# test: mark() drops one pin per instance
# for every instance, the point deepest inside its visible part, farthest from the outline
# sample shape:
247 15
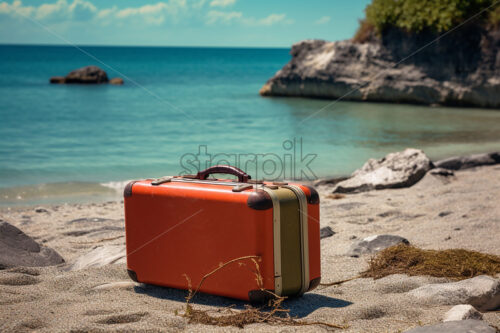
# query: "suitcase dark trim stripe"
313 198
260 200
127 192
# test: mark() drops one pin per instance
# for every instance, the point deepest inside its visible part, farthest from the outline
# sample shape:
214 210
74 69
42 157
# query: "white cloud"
82 10
215 16
158 8
150 14
105 14
322 20
52 11
16 8
222 3
268 20
155 14
79 10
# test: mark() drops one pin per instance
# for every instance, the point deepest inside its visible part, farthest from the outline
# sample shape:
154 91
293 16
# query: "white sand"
53 299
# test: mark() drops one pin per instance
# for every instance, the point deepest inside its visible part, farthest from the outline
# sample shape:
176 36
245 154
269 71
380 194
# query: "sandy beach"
460 211
197 119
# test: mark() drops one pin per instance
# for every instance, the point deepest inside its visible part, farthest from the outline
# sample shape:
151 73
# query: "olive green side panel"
291 265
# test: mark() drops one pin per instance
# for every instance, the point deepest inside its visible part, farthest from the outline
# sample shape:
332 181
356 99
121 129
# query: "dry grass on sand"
456 264
272 313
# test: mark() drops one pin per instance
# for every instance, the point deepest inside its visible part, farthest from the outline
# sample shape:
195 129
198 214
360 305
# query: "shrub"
494 17
365 32
419 15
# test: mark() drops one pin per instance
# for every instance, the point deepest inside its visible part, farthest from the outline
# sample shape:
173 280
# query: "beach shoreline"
112 190
438 212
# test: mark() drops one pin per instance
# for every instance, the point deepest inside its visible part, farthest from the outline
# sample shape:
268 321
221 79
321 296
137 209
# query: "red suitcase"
185 227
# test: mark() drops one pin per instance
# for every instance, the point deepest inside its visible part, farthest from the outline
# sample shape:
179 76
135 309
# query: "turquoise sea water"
75 142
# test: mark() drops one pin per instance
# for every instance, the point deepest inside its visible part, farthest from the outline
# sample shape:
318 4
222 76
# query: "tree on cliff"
415 16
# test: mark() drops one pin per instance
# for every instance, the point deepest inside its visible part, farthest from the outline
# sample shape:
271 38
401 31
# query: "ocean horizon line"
150 46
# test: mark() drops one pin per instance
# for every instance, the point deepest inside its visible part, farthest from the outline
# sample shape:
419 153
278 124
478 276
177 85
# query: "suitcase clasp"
162 180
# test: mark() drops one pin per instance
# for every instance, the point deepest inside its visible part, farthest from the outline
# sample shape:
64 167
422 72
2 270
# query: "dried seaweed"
455 264
272 313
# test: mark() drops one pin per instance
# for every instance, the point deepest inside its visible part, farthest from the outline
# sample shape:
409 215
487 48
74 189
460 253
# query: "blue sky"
178 22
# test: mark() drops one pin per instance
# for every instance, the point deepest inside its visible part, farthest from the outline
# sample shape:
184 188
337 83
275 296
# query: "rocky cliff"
462 68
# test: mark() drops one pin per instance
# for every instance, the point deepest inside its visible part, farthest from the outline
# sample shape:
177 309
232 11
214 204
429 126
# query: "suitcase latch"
162 180
241 188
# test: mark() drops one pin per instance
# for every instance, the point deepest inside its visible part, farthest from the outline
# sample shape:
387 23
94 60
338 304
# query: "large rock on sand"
460 326
101 256
471 161
326 232
86 75
396 170
482 292
462 312
374 244
18 249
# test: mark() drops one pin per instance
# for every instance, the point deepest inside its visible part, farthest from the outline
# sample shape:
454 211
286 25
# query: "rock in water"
101 256
462 312
460 326
482 292
18 249
86 75
57 79
471 161
396 170
374 244
116 80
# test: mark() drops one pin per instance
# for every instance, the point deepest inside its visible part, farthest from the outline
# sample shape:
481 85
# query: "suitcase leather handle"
243 177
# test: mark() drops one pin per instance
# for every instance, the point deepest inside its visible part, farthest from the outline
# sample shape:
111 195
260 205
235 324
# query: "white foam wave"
118 186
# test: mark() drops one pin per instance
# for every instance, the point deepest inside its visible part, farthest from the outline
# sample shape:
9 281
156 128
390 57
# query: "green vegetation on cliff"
418 15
